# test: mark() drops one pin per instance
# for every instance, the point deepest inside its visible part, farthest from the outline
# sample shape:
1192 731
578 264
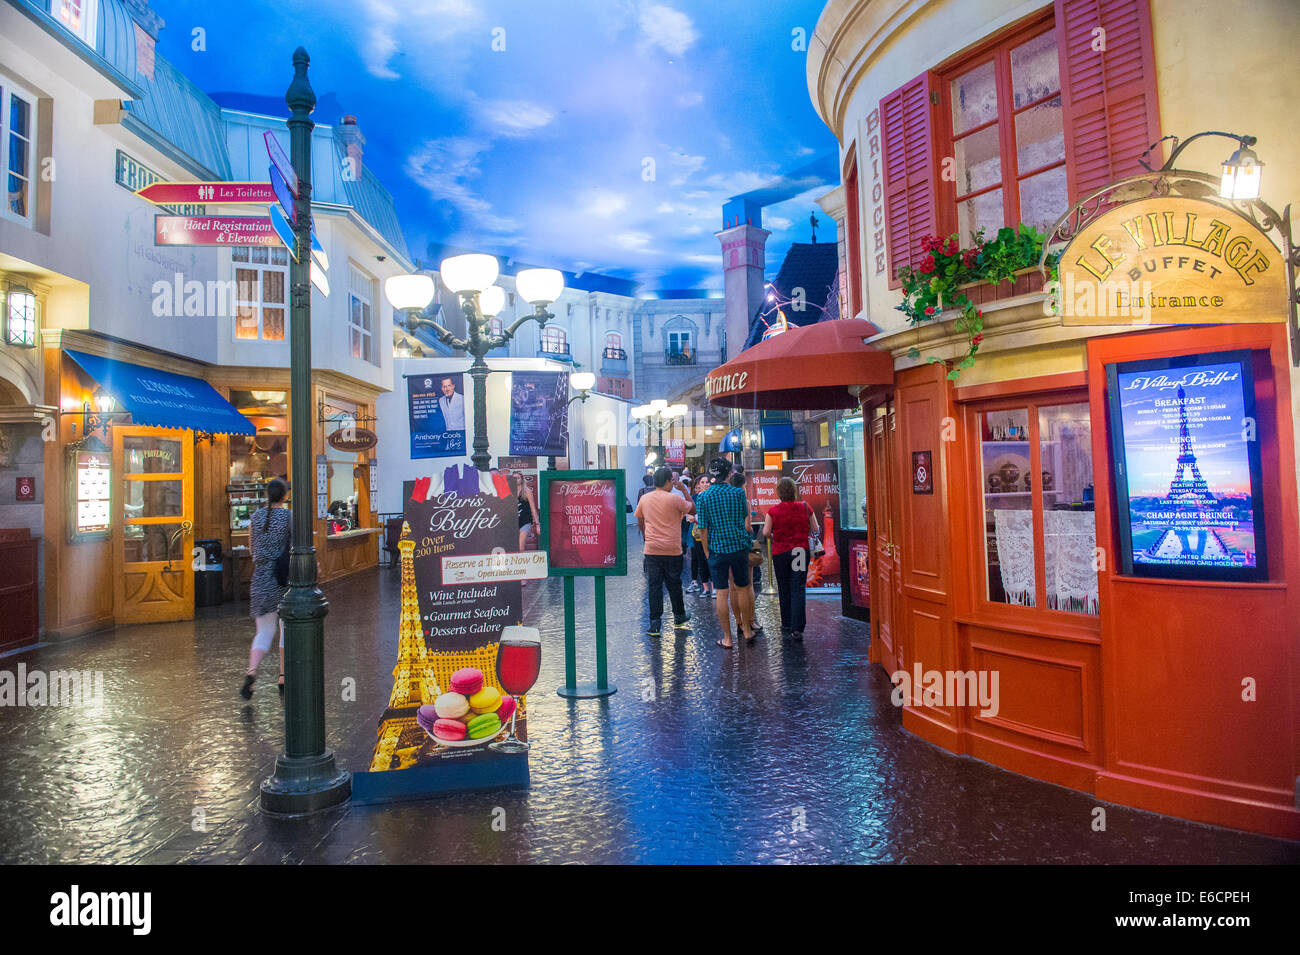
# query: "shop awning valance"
163 399
812 368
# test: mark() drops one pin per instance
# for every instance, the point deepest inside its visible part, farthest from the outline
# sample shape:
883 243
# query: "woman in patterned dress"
268 535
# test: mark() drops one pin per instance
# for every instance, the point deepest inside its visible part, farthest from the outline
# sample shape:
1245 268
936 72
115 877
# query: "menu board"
855 570
760 488
584 525
1187 467
91 490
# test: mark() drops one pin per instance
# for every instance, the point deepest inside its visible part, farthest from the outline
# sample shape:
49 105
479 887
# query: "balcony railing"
616 353
558 351
674 356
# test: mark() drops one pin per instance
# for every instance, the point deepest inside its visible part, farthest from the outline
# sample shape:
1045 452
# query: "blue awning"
163 399
730 441
775 437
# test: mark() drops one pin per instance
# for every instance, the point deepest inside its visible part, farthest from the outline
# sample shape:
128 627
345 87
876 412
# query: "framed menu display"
1186 460
584 525
855 573
89 494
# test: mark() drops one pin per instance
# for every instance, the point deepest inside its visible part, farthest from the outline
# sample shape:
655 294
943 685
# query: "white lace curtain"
1069 541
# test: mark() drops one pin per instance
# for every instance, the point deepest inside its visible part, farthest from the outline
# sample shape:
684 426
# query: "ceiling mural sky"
598 135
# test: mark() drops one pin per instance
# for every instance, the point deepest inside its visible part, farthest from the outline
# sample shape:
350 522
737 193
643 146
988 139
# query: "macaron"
467 681
485 700
506 709
449 729
484 725
451 706
426 716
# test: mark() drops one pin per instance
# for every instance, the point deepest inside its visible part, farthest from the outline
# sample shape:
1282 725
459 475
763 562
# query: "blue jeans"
791 589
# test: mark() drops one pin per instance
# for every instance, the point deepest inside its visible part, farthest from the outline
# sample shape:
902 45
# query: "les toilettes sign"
1171 261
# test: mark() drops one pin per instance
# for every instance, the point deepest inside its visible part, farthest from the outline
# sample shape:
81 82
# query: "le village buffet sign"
1171 261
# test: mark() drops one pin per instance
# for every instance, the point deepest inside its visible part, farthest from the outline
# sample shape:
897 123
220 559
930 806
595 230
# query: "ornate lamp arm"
540 315
447 338
1244 141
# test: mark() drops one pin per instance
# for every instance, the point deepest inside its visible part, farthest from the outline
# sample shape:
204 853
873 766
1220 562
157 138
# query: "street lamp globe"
676 411
492 300
582 381
408 293
469 274
540 286
658 406
642 411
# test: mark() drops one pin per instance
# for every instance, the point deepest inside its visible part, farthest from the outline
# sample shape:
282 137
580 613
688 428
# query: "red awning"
812 368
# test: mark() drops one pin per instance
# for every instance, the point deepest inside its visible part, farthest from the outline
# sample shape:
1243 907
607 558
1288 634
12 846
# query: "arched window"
555 341
614 345
679 341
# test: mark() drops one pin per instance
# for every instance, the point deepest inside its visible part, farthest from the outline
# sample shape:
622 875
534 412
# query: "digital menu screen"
1187 467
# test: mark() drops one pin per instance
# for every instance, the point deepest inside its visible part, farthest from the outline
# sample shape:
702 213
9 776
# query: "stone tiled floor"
731 751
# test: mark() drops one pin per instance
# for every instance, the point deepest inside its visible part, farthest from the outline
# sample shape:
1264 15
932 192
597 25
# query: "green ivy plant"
933 284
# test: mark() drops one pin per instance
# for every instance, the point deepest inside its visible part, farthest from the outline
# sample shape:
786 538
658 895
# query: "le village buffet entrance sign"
1171 261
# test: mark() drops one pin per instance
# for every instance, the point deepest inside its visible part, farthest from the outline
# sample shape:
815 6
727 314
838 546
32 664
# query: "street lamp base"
586 691
303 785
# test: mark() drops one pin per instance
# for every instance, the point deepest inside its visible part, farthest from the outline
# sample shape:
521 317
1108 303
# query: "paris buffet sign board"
1171 261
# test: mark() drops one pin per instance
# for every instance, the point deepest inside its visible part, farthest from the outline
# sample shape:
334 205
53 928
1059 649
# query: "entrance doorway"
882 519
153 525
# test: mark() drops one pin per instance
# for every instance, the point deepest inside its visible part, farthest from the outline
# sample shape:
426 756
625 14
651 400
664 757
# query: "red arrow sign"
214 230
180 193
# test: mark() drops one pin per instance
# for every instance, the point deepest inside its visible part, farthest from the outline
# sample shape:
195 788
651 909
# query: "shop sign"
352 440
25 489
675 451
922 472
715 384
133 175
760 487
583 529
1171 261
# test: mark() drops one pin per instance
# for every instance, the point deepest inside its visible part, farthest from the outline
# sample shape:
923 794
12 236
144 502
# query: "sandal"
281 685
246 691
725 646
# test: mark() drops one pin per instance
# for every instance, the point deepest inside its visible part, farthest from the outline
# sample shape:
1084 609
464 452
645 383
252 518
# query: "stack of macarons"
469 711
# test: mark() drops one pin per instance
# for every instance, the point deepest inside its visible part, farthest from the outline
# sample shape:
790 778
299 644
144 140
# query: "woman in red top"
788 524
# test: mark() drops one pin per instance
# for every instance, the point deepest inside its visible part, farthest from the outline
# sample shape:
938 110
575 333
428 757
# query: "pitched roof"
809 266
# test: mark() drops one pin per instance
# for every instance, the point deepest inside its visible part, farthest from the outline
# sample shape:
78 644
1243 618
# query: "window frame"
87 31
978 400
8 89
614 340
554 335
260 305
367 332
996 50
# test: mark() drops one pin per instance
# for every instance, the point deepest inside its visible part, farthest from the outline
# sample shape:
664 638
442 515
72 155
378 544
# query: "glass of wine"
519 661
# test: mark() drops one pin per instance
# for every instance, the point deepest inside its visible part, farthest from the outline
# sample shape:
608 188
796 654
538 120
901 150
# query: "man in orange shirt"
659 516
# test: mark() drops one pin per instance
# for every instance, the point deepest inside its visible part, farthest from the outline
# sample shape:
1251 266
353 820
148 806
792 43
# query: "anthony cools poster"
445 626
819 485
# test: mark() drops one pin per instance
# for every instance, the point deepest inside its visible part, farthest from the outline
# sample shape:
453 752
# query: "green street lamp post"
306 778
471 278
658 414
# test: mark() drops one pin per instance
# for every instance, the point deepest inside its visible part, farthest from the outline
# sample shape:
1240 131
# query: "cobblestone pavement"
732 754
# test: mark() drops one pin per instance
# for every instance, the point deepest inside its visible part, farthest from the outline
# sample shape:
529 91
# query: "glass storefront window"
1069 524
853 473
346 471
258 458
1008 506
145 454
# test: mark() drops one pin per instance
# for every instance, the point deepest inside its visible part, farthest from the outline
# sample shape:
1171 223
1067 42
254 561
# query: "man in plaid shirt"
723 513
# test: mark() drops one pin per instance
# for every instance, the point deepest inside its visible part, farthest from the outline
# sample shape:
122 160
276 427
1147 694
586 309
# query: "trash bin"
208 578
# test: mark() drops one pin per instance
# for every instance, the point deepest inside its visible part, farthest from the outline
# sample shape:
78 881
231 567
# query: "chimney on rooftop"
353 142
147 24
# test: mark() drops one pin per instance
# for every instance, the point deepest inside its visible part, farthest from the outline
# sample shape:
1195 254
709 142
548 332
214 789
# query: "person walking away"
659 516
737 479
701 583
648 483
789 524
269 532
723 518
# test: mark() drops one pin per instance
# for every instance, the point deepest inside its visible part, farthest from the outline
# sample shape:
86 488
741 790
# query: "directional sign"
282 163
318 252
177 193
283 195
285 231
214 230
319 280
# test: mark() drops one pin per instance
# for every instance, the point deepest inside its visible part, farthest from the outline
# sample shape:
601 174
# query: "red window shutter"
852 226
1109 95
910 170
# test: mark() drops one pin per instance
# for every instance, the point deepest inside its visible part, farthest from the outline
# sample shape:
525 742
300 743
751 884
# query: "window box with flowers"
949 278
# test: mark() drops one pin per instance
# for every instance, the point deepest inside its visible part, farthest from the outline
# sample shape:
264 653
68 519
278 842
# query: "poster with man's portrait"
437 406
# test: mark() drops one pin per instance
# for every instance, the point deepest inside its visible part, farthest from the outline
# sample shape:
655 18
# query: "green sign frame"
619 477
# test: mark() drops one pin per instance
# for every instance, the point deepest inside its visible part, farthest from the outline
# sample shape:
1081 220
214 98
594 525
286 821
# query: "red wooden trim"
853 227
1069 380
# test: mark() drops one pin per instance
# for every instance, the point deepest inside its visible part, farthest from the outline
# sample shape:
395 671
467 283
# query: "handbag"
815 540
756 554
282 558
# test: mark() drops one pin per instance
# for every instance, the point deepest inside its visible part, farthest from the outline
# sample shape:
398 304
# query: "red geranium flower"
951 248
929 310
976 340
927 264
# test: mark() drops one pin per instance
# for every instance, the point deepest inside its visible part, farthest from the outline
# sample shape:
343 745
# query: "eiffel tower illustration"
400 736
1190 496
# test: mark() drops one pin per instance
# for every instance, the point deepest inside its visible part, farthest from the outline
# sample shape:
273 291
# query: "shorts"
737 563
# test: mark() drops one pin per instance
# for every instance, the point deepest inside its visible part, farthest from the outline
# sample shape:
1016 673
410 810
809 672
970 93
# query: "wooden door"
153 525
882 523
